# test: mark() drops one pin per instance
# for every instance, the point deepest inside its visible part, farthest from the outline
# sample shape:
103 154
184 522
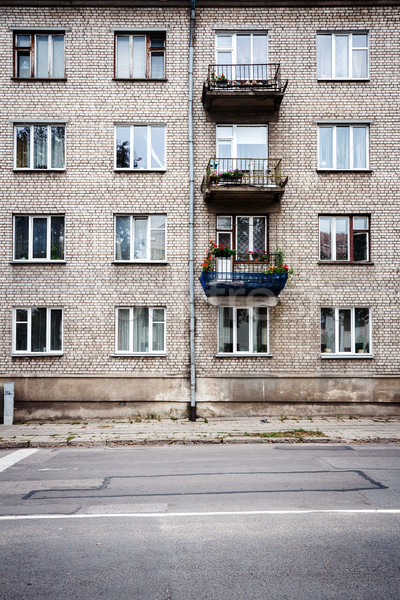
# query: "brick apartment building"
293 114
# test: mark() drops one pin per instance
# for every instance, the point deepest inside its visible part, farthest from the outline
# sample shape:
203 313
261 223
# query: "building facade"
296 129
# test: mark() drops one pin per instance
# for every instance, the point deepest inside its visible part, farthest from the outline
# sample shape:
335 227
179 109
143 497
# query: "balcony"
231 182
246 91
244 282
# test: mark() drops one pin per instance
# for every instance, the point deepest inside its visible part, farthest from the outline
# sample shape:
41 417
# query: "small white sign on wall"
8 403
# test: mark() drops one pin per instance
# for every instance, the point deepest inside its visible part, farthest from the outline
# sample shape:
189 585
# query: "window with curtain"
344 238
39 147
140 330
243 330
39 237
37 330
242 55
247 234
140 147
39 55
140 55
140 237
343 55
343 147
346 331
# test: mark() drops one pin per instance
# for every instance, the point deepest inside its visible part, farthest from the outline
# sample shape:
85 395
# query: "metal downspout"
191 222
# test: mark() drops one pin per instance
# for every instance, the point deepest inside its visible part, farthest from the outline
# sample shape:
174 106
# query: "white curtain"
123 329
139 57
58 147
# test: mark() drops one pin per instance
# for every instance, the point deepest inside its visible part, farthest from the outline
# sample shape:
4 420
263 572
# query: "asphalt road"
207 522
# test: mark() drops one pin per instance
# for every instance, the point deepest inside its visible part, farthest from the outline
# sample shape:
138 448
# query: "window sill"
139 170
344 170
38 262
137 354
343 79
16 170
361 356
144 79
140 262
358 263
243 355
36 354
40 79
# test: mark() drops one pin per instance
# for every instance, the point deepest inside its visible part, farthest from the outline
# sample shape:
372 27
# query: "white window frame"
132 239
251 337
352 353
131 142
33 53
233 47
30 239
150 341
28 351
233 138
351 126
333 36
31 146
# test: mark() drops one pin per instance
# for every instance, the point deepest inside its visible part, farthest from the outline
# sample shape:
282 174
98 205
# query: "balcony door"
247 52
243 147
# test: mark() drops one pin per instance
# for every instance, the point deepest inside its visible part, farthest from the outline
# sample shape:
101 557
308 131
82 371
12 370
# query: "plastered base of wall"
109 397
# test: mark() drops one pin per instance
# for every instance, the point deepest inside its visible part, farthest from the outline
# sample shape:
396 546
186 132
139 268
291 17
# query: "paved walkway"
102 432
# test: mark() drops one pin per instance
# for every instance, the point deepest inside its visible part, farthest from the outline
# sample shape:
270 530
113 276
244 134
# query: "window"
37 330
39 56
344 238
140 330
140 55
248 52
243 330
343 146
140 147
38 238
345 331
139 238
242 141
342 55
247 233
39 147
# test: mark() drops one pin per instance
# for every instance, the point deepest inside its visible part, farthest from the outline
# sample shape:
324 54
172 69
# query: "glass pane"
260 49
345 330
360 63
158 329
22 315
42 56
341 55
327 330
360 40
360 147
225 329
260 329
140 330
158 315
224 238
259 234
23 64
123 330
324 56
122 238
360 223
342 238
56 330
224 41
38 330
242 234
242 330
123 147
57 238
21 233
157 65
140 239
21 342
39 235
23 147
342 147
362 330
57 147
157 238
140 147
325 238
360 246
40 147
23 41
58 56
325 147
224 60
243 55
252 142
157 41
122 55
224 222
139 56
157 147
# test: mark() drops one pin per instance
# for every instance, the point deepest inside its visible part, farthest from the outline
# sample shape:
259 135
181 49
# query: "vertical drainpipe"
191 222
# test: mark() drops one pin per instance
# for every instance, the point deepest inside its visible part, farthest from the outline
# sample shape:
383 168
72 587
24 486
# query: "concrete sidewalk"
150 431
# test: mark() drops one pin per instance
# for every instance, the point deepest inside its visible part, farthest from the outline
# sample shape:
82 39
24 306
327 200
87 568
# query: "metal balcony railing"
247 76
257 172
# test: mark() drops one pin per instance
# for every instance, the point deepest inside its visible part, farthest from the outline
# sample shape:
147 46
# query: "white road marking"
372 511
11 459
